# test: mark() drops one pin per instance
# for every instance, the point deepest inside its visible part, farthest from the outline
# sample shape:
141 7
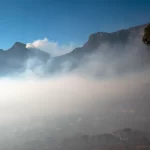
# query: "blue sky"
67 20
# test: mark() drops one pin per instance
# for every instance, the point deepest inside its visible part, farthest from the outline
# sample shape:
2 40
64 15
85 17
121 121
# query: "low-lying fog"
80 101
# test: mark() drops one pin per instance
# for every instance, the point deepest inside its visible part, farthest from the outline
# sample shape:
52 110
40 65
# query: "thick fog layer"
107 91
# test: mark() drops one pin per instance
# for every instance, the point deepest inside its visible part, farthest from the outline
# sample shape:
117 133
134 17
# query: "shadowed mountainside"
116 43
15 58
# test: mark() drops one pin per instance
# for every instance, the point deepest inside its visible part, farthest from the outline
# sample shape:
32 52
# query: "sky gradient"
67 21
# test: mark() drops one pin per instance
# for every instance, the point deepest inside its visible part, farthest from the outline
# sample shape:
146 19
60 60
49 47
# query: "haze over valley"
74 75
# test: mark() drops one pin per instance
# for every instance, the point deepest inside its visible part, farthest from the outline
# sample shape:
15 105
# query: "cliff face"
119 39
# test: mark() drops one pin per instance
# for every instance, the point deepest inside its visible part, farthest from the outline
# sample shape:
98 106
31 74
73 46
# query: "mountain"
15 59
115 42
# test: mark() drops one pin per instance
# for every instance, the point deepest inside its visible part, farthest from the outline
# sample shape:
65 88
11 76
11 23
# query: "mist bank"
90 90
98 104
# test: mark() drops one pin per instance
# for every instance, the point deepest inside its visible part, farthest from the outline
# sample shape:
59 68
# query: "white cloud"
52 47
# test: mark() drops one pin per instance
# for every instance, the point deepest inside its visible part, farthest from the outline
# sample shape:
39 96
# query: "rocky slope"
115 43
15 58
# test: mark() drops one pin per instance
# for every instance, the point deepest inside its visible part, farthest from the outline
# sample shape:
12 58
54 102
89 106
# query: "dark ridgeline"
115 42
15 58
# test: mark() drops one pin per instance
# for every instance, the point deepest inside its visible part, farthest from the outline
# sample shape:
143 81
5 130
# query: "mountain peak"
120 36
19 45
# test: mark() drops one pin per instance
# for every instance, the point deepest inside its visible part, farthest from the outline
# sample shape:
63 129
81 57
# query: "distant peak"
98 34
19 44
